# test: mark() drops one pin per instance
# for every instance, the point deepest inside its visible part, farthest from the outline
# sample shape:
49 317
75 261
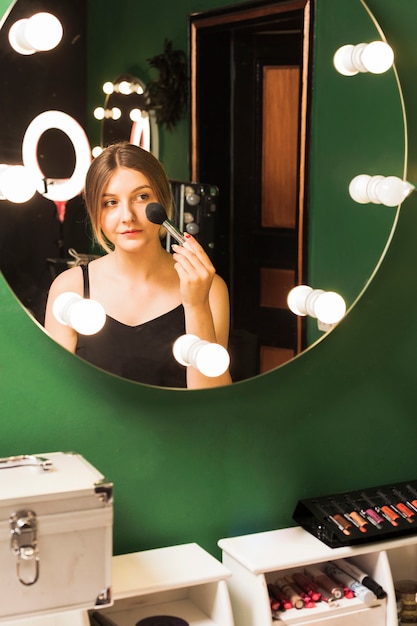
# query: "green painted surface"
200 465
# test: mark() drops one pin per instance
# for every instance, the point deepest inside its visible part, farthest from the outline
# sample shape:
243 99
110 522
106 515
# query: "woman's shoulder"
68 280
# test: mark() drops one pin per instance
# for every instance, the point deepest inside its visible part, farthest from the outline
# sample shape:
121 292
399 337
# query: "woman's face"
122 212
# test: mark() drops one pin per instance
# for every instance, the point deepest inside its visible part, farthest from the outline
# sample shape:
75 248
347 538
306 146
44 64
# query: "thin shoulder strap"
86 280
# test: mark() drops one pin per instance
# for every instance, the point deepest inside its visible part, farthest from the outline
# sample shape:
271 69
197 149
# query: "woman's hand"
195 271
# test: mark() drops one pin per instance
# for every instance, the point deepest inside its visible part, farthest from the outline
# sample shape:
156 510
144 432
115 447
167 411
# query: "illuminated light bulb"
327 306
116 113
17 183
39 33
84 315
135 115
375 57
125 87
108 87
211 359
388 190
99 113
96 151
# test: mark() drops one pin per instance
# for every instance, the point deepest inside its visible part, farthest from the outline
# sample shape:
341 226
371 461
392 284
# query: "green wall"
200 465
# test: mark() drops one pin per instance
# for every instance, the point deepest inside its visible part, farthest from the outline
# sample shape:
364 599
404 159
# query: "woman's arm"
206 305
70 280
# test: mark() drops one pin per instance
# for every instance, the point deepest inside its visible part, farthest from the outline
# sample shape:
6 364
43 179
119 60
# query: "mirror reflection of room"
265 235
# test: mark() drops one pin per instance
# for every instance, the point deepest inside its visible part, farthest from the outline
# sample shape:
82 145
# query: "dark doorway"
249 84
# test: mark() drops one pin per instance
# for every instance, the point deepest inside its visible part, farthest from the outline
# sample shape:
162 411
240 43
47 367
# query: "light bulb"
108 87
375 57
84 315
125 88
296 299
99 113
17 183
327 306
116 113
96 151
39 33
388 190
135 115
211 359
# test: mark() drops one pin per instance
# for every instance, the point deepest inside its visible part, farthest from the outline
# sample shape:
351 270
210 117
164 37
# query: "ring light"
57 190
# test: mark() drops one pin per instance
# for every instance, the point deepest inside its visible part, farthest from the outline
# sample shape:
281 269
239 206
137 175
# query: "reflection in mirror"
334 242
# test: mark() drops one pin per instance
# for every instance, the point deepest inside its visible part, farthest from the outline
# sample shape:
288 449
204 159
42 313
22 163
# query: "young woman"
150 296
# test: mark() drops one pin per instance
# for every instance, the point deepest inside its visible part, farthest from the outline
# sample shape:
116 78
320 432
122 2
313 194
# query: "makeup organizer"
178 585
258 560
362 516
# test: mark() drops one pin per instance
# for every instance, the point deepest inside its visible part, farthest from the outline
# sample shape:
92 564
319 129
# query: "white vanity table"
257 559
182 581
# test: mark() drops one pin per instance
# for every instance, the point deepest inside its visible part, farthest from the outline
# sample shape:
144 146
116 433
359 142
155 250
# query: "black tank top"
142 353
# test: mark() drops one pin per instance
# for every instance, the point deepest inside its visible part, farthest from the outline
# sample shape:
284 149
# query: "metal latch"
24 544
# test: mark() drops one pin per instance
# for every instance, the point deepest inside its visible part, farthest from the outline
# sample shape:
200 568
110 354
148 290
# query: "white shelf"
258 559
180 581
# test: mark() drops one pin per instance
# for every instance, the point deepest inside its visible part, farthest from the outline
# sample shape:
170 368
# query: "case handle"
25 459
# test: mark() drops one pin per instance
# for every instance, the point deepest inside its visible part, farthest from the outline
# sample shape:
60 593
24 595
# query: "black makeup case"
362 516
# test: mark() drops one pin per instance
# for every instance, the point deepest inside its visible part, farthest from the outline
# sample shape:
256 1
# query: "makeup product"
307 586
372 517
156 214
414 494
308 601
347 516
322 580
392 506
291 593
388 515
360 520
363 593
354 571
284 601
337 519
404 501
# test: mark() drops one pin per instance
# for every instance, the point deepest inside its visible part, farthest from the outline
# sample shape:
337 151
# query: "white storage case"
56 520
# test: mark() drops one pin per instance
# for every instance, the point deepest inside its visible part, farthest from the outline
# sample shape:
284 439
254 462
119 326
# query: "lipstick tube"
291 593
322 580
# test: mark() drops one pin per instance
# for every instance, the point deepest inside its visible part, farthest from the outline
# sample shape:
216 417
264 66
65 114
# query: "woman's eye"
142 197
109 203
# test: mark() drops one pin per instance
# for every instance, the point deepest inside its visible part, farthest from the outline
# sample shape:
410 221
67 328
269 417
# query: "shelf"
180 581
258 559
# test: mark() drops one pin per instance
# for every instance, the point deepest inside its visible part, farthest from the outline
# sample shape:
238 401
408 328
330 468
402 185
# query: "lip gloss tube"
393 507
291 593
284 601
404 502
322 580
361 521
307 586
337 519
387 515
413 493
347 516
360 591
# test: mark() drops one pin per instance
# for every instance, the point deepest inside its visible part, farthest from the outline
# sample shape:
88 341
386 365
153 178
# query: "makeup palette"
356 517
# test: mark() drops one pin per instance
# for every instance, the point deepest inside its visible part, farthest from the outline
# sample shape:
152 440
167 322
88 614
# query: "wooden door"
257 71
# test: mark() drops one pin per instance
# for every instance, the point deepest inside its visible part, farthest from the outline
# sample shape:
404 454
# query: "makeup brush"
156 214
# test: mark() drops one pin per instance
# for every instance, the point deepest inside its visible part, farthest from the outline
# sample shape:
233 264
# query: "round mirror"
336 243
